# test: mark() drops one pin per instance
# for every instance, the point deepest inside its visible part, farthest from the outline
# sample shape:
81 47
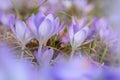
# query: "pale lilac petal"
32 25
4 19
61 26
57 21
45 29
40 14
76 28
82 23
101 24
20 30
71 33
50 17
47 56
80 36
74 20
36 55
75 24
39 18
12 25
55 26
28 36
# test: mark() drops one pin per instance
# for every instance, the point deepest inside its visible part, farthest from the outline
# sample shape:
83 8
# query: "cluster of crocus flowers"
78 68
40 36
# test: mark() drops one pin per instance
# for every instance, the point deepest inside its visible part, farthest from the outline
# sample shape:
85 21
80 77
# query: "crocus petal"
32 25
38 54
39 18
61 26
47 56
82 23
80 36
20 30
12 25
28 35
3 19
101 24
57 21
44 28
75 24
50 17
55 26
71 33
74 20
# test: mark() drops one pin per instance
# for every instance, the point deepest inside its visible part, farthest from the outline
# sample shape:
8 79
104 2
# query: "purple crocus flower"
44 27
44 56
77 33
21 31
5 19
105 32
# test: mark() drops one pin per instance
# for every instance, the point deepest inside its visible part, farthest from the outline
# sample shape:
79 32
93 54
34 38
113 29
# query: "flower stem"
90 47
40 47
22 52
103 56
72 53
5 34
16 10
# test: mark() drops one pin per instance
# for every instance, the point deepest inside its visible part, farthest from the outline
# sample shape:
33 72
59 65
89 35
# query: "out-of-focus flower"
5 5
44 27
56 6
76 69
110 73
65 38
21 31
5 19
41 1
107 35
14 69
49 6
44 56
63 35
83 5
77 33
104 30
22 71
